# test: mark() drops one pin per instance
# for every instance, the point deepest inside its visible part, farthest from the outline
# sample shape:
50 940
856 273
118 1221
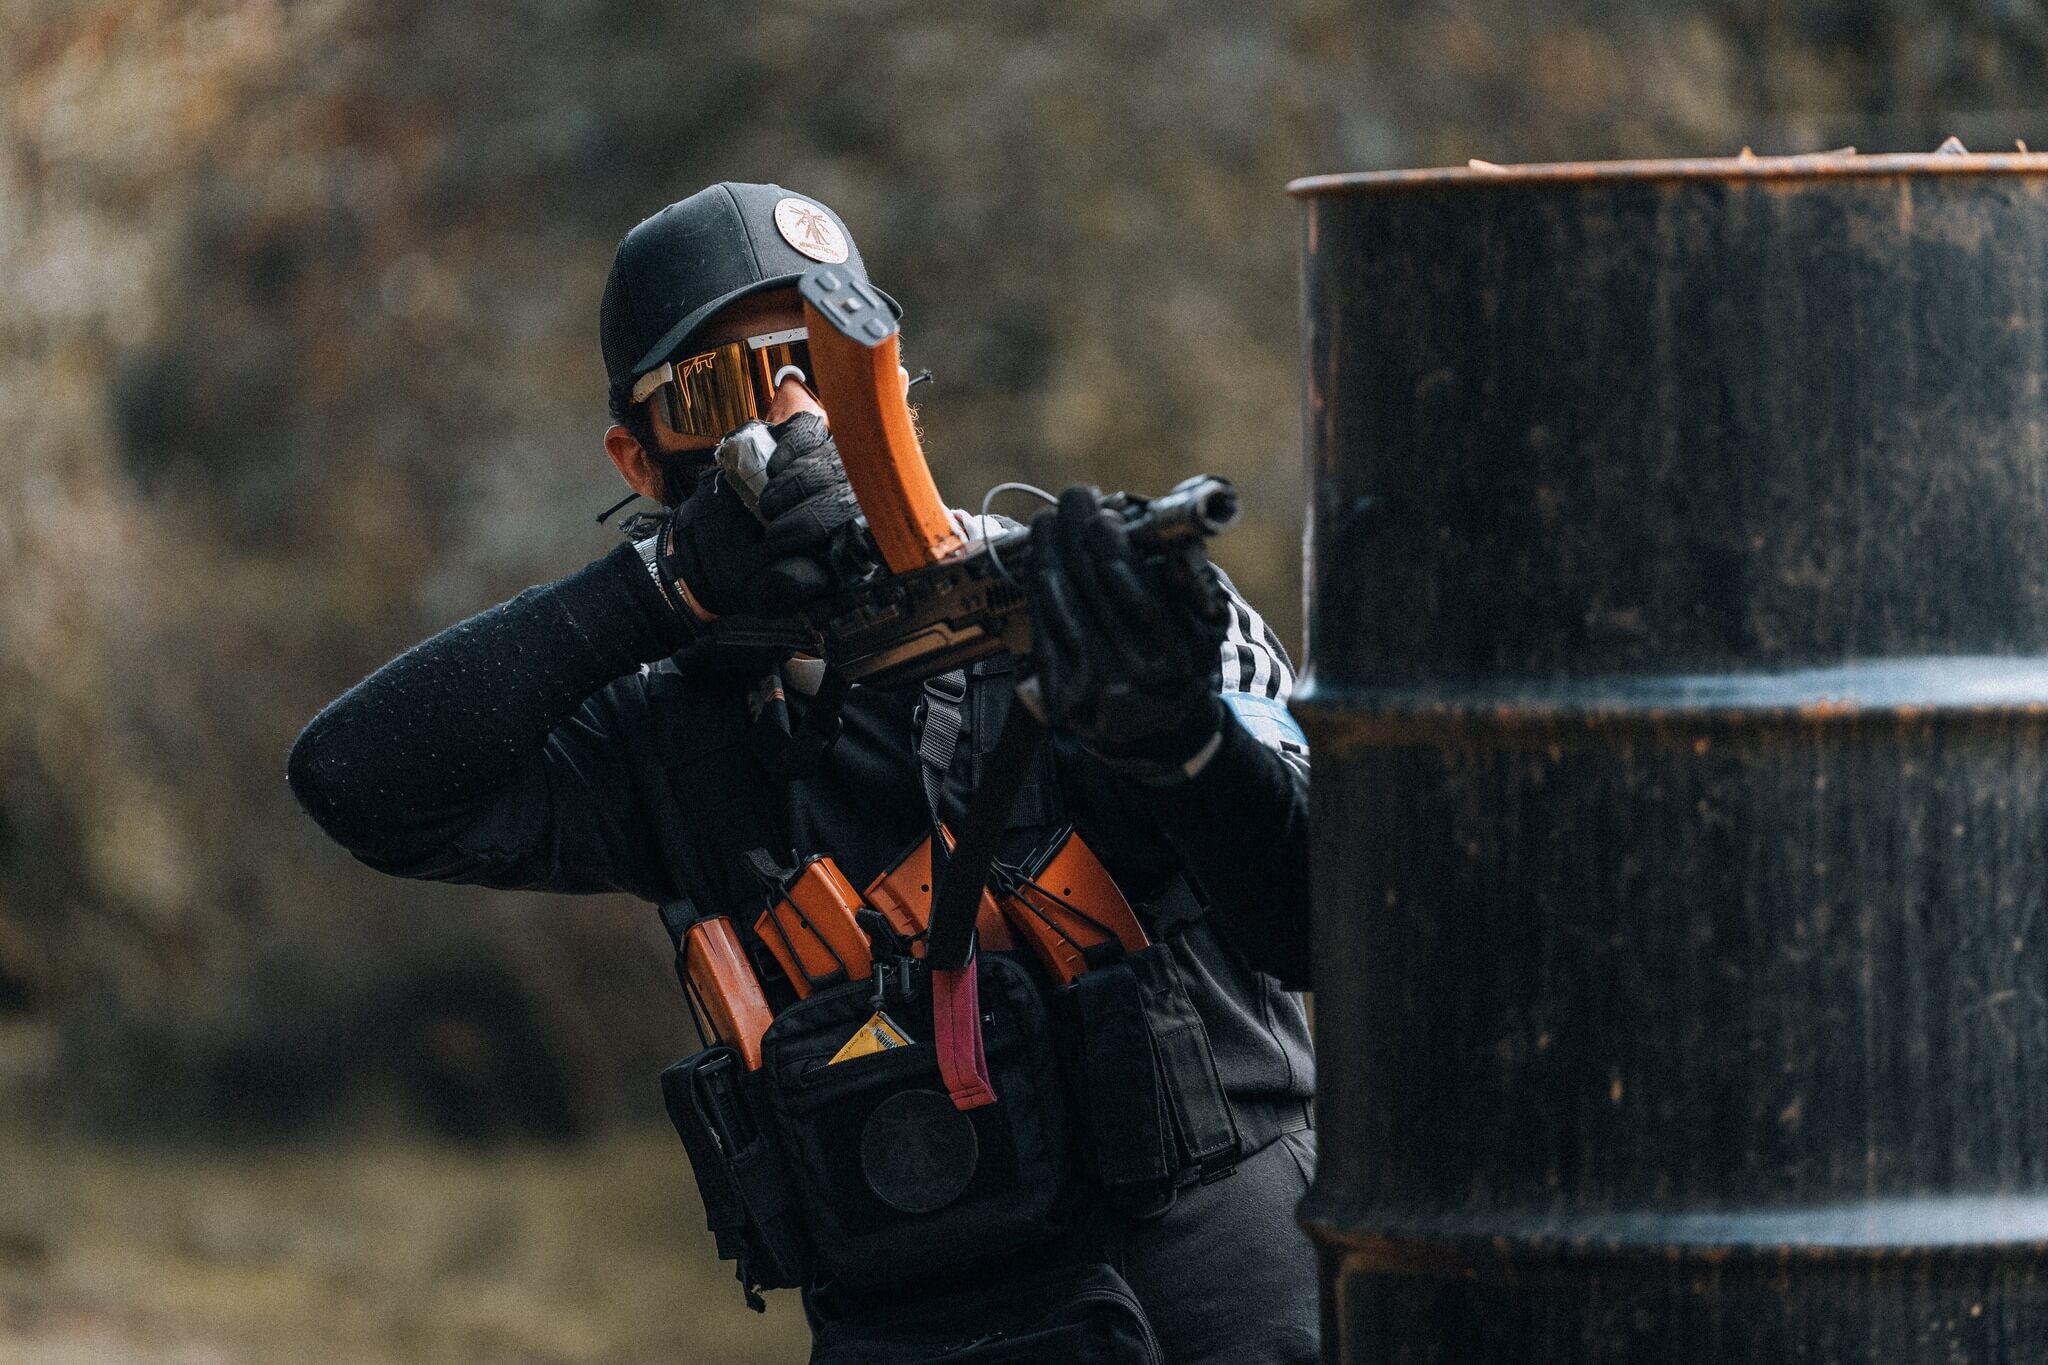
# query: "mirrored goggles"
715 392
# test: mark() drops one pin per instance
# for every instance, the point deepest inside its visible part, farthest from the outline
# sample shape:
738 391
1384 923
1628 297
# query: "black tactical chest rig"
861 1172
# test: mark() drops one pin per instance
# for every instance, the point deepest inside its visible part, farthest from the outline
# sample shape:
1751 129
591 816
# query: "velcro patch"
1268 720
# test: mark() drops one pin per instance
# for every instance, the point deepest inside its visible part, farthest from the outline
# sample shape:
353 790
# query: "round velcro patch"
810 230
918 1152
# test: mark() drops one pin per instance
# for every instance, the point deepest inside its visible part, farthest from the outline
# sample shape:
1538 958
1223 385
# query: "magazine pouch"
1070 1315
897 1183
1156 1111
745 1187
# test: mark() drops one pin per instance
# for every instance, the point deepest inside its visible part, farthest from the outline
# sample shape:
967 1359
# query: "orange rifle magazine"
725 996
903 895
1070 913
811 930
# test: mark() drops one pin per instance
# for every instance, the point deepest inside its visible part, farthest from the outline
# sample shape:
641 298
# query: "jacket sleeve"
1241 822
491 753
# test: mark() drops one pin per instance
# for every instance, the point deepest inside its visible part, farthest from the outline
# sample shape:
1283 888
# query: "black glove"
727 562
1126 647
807 499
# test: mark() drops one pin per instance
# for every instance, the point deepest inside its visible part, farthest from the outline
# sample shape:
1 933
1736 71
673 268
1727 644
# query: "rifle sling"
956 896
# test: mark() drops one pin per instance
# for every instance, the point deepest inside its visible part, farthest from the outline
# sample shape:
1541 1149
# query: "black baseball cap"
677 268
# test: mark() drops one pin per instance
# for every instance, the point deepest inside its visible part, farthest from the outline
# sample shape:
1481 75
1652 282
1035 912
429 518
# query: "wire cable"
989 497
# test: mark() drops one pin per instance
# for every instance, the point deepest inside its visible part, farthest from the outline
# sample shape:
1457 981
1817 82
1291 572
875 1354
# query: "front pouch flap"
1068 1315
688 1089
1201 1115
895 1181
748 1202
1126 1108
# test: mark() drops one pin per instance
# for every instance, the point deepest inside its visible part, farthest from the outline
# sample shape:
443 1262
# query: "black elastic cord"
606 514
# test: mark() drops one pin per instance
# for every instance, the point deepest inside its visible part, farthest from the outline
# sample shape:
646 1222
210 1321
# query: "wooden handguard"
860 382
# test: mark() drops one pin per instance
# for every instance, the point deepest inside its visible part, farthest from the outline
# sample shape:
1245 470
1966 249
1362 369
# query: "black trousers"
1225 1274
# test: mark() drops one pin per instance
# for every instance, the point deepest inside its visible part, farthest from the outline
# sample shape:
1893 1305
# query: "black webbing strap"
943 717
703 743
794 755
771 875
1039 804
970 706
941 721
1261 1122
676 917
956 896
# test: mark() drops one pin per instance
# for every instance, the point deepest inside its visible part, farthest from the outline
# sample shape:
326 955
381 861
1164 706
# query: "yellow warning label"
878 1034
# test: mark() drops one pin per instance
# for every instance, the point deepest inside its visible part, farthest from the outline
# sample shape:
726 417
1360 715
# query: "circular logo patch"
918 1152
810 230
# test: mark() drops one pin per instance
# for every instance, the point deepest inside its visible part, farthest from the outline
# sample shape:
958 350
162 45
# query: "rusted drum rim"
1734 169
1949 690
1983 1224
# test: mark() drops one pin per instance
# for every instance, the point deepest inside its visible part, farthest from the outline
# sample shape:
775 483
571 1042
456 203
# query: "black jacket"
533 746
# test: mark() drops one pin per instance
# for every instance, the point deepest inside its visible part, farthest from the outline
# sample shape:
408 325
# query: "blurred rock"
32 1218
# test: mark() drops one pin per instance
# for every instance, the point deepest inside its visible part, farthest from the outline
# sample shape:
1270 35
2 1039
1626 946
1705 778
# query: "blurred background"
298 364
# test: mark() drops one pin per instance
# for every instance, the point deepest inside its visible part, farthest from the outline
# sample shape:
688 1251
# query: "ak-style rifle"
927 600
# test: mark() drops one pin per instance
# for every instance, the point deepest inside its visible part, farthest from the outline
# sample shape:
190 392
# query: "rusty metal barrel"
1679 626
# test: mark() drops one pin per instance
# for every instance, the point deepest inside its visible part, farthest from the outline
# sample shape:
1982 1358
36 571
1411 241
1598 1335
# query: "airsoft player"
1078 1131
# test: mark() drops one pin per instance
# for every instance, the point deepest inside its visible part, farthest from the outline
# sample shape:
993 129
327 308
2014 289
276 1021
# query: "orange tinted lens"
713 393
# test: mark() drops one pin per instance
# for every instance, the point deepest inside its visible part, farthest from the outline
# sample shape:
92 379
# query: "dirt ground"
369 1255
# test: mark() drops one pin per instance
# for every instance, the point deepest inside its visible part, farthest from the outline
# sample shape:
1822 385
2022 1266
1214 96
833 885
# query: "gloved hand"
807 498
726 560
1126 648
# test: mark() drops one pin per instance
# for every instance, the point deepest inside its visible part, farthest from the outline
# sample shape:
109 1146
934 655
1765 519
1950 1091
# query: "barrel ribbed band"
1465 1243
1940 688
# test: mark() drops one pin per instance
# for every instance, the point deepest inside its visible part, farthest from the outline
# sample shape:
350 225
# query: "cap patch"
810 230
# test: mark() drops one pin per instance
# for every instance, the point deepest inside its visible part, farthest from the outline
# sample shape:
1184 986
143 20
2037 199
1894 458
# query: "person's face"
777 310
772 311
